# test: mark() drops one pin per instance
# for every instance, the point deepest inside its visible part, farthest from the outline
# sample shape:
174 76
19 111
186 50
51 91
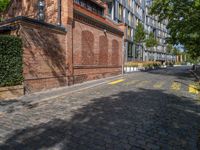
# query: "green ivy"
3 4
10 61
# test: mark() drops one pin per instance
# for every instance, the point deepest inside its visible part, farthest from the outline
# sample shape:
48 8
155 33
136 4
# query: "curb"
63 91
195 75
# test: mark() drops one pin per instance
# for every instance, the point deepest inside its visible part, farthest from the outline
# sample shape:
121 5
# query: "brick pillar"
67 21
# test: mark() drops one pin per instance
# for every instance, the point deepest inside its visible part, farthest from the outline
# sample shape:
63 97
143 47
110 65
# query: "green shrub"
10 61
145 64
4 4
131 64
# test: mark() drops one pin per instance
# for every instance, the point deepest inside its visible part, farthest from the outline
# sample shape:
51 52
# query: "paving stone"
107 117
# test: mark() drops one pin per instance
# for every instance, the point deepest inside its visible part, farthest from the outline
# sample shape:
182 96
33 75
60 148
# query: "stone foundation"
11 92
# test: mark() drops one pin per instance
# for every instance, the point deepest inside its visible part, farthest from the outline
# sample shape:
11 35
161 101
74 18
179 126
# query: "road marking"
142 83
131 82
116 82
158 85
193 89
176 86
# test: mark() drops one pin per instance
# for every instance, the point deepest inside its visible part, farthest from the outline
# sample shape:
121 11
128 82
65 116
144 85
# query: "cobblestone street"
144 110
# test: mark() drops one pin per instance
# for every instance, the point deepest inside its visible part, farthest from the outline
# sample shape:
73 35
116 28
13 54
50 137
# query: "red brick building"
74 43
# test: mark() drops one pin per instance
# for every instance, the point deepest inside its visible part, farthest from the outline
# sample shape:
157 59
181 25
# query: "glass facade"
131 12
130 50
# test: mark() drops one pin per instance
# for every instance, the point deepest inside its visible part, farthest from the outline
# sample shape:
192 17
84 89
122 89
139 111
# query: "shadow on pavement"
4 103
178 72
153 119
8 105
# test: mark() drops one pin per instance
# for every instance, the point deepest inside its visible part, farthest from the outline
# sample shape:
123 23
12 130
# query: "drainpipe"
59 13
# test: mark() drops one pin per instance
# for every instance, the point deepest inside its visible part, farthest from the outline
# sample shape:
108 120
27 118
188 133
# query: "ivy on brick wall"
10 61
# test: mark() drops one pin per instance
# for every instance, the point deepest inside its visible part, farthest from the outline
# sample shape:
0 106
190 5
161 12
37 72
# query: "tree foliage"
183 22
3 4
151 41
169 48
173 50
139 33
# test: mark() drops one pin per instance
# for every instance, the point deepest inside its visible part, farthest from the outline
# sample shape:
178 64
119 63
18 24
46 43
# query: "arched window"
87 48
103 50
115 52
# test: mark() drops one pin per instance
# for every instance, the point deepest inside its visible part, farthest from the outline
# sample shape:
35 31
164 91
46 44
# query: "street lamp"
41 6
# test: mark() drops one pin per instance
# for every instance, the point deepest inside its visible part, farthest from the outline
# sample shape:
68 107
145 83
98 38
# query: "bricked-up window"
91 6
88 56
103 50
115 52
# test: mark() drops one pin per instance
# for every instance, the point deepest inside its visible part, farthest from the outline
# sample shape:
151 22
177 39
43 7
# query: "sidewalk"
62 91
33 99
196 72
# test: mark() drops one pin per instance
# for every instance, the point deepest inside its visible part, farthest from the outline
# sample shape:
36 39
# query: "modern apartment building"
159 29
131 12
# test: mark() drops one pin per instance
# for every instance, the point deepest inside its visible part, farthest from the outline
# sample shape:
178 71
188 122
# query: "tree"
175 51
139 35
151 41
169 48
183 22
172 50
3 4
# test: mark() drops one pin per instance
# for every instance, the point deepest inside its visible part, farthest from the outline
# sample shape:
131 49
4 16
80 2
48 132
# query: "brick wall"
97 46
96 53
44 58
29 8
54 58
92 46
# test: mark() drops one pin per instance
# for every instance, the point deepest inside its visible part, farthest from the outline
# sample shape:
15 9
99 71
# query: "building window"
129 17
129 3
120 8
129 32
91 6
110 5
130 52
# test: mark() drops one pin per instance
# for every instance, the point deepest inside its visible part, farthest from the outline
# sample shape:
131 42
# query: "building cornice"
80 16
32 21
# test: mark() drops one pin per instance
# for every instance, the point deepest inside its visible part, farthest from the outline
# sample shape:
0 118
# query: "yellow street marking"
131 82
158 85
193 89
176 86
115 82
142 83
